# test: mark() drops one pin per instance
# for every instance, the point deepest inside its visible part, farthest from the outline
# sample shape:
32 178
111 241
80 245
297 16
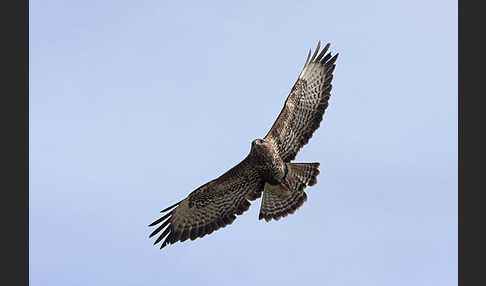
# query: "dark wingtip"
316 51
161 227
172 206
323 52
333 59
166 232
161 219
155 222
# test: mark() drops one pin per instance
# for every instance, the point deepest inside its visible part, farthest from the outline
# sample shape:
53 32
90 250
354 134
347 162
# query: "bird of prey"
267 171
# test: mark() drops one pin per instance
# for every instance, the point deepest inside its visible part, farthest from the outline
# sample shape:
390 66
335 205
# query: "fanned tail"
283 199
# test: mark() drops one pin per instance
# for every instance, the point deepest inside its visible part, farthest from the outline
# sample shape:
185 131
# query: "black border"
471 142
15 98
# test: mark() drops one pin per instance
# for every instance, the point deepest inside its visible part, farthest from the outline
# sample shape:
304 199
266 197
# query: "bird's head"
258 144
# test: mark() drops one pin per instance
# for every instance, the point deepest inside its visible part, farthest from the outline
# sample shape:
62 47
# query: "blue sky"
134 104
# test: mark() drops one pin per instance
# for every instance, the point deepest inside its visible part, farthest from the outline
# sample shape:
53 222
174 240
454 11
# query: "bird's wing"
211 206
305 105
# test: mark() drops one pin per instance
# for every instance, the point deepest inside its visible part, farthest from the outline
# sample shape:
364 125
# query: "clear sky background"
134 104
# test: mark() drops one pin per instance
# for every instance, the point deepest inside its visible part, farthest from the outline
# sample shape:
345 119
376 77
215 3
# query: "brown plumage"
266 169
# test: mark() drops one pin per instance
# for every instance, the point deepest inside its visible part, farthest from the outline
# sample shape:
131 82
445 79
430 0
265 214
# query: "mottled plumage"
266 170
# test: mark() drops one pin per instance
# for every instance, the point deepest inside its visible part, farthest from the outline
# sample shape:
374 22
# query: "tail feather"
306 172
283 199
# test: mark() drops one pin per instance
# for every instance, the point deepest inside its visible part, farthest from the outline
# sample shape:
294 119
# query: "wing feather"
305 106
212 206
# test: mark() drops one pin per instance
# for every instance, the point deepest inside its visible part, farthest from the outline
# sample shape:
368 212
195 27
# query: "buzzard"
266 171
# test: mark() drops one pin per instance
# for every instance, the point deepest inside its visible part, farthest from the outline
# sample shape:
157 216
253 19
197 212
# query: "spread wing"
211 206
305 105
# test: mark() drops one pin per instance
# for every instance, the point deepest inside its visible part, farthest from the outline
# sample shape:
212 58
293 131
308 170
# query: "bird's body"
266 161
267 169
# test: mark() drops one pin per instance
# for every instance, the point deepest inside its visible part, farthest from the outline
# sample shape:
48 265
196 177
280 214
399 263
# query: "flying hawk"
266 170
